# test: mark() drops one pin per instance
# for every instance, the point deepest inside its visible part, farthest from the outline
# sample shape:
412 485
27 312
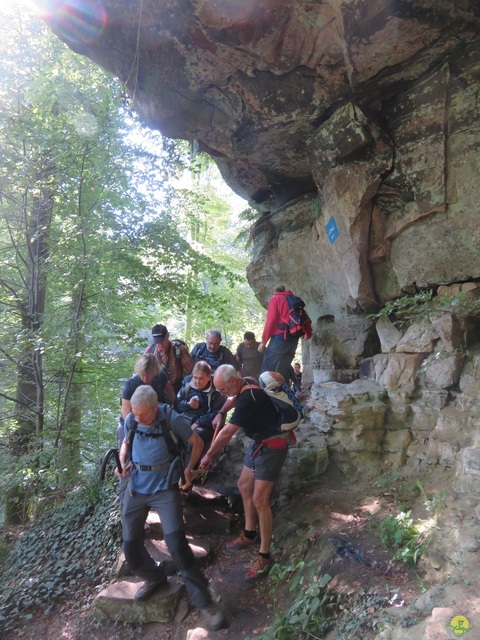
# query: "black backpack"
214 360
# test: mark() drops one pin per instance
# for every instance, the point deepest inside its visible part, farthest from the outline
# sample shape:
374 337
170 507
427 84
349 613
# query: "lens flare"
80 21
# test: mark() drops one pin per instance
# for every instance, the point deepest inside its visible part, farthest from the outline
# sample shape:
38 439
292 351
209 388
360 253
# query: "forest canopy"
106 228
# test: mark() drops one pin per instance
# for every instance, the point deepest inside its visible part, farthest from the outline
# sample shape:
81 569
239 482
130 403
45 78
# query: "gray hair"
214 334
144 396
225 372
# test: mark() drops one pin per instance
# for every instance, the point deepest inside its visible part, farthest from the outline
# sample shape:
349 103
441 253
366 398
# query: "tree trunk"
27 439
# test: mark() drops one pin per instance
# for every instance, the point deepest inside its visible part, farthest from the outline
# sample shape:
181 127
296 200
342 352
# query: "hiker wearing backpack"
213 352
248 356
172 355
257 415
147 372
286 322
200 402
153 435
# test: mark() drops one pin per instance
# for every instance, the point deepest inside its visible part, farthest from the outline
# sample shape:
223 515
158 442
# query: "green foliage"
317 609
70 548
409 540
402 492
434 505
425 304
407 308
124 247
307 616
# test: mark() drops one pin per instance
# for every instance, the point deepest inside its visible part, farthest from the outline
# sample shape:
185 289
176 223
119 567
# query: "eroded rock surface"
356 111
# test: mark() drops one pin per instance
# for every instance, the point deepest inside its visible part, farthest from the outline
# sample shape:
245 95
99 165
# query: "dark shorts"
267 464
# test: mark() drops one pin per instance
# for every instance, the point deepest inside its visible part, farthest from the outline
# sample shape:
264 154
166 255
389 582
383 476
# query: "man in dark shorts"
256 414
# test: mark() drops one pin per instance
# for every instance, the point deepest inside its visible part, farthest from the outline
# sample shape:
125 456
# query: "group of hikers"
176 396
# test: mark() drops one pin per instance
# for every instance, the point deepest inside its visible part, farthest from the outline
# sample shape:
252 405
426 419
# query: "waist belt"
274 442
153 467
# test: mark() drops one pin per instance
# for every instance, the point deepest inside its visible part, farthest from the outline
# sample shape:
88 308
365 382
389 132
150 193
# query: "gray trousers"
168 505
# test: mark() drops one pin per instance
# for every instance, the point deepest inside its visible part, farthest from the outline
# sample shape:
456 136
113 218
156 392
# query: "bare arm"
124 455
227 405
126 408
221 441
197 447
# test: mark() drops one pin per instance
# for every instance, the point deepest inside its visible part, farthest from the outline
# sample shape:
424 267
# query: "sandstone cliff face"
353 127
350 125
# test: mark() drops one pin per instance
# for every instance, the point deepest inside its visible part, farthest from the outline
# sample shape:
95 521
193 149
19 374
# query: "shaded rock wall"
354 112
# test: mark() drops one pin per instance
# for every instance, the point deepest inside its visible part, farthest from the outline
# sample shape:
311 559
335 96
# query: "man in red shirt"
279 353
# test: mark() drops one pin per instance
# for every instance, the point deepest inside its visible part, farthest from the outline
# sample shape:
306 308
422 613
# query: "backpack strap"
171 439
177 349
174 447
131 435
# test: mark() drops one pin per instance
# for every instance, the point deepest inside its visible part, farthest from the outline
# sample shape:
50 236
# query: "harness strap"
153 467
274 442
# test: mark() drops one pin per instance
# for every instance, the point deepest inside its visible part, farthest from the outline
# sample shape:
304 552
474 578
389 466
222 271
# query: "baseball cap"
159 333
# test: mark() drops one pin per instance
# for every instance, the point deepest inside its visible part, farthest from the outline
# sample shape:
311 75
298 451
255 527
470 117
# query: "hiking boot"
242 542
214 618
260 567
148 589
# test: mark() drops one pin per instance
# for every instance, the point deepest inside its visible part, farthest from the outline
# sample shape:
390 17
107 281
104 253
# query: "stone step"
117 603
206 512
202 550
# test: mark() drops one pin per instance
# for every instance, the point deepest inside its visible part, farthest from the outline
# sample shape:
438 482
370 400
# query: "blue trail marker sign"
332 230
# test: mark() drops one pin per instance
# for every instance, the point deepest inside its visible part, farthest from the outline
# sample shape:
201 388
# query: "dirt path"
334 526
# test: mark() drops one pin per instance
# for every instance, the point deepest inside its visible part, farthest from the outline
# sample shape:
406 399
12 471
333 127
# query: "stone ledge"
117 603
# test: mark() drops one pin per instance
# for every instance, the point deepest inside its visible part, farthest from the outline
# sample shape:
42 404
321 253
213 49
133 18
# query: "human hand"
127 470
218 421
194 402
206 461
261 347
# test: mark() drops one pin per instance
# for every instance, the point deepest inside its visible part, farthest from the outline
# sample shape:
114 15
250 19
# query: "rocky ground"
333 528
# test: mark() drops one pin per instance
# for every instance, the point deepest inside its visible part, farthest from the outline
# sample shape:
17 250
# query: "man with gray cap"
173 356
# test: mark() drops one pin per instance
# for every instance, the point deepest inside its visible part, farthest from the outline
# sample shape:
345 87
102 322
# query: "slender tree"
96 240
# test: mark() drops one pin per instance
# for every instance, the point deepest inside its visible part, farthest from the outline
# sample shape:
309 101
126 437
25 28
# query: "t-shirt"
150 449
251 359
158 383
256 414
